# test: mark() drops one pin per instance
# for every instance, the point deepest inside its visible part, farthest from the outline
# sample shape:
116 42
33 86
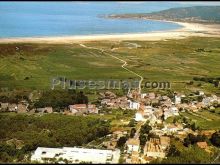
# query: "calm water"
27 19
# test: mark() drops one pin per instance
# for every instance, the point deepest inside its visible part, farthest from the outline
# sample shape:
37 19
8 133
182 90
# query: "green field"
204 119
177 61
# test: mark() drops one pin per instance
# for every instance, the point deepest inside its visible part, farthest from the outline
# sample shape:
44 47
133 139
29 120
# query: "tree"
193 126
142 139
215 139
145 129
121 141
133 131
131 123
173 151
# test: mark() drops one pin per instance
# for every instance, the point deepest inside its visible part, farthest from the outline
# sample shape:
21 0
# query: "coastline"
188 29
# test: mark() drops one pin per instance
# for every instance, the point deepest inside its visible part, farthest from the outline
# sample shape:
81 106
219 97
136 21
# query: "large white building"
134 105
75 155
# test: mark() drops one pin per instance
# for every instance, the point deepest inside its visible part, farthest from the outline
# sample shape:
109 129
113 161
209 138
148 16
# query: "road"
123 65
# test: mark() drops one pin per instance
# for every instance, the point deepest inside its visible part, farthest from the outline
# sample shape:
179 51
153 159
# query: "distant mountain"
199 14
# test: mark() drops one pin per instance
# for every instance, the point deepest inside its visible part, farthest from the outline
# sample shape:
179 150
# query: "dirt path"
123 65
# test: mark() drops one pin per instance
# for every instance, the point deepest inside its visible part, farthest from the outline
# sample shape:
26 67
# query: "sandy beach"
188 29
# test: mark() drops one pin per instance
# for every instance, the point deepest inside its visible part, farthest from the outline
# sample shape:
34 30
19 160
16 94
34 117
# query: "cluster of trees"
121 142
59 99
190 155
189 124
132 123
132 133
144 133
52 130
215 139
193 139
14 97
212 80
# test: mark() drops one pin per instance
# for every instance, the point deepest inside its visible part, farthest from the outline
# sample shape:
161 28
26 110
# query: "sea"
42 19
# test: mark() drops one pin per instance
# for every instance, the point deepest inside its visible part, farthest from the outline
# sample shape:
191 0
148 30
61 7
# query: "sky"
206 3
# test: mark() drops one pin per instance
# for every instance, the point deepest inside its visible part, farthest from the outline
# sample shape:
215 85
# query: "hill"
198 14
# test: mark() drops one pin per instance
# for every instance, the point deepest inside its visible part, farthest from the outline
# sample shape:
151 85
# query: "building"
202 145
154 149
139 116
12 107
75 155
172 128
177 99
133 145
79 109
4 106
134 105
92 108
143 95
48 110
201 93
151 95
148 110
164 142
22 108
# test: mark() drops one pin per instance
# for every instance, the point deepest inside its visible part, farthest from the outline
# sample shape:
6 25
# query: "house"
135 157
22 108
202 145
105 101
4 106
193 108
148 110
201 93
165 142
154 149
158 112
177 99
157 132
12 107
78 109
151 95
75 155
143 95
171 128
48 110
139 116
133 145
39 110
133 105
92 108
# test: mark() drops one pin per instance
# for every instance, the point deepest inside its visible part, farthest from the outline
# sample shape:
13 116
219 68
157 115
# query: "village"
151 111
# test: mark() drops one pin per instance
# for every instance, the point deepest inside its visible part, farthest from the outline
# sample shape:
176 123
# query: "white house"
143 95
133 145
139 116
134 105
177 99
174 110
201 93
76 155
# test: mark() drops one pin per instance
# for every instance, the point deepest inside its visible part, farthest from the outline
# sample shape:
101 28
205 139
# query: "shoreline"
188 29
